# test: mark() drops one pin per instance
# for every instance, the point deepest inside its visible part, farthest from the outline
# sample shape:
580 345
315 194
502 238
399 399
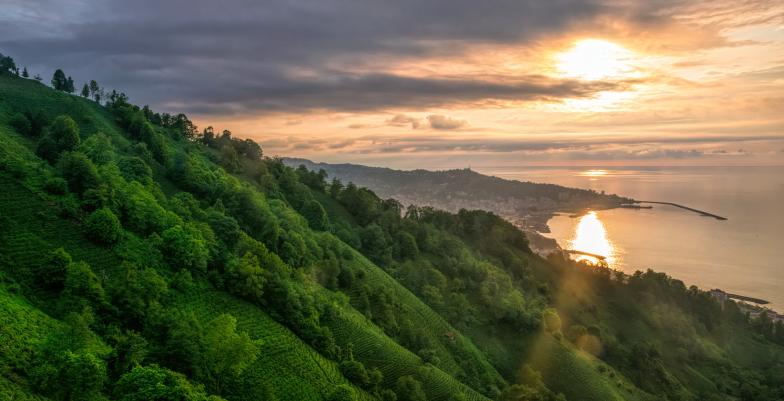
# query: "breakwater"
700 212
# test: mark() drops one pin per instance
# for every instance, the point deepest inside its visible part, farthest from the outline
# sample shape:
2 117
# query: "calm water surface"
744 254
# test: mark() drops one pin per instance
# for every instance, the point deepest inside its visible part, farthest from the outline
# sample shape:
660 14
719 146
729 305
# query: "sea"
742 255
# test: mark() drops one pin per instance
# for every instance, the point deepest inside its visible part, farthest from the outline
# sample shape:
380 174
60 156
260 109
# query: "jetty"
700 212
593 255
748 299
723 296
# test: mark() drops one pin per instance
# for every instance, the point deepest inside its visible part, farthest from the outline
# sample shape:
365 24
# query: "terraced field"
374 348
423 316
31 235
22 328
287 365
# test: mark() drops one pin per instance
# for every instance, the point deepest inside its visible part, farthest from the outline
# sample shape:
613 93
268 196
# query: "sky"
437 83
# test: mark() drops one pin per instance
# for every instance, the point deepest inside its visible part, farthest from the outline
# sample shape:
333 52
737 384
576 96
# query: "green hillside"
143 259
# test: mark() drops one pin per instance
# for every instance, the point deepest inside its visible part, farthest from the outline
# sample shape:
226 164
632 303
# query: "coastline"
544 245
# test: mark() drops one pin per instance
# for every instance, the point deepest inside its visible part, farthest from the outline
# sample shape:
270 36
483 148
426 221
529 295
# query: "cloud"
245 57
613 148
441 122
400 120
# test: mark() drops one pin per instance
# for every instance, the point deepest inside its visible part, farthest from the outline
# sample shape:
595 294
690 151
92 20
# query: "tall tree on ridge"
59 81
7 64
85 91
94 90
69 85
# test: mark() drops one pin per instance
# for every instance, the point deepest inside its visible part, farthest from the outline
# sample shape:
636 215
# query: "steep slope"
39 220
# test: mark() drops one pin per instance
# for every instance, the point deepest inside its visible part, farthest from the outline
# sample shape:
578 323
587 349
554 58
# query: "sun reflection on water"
590 236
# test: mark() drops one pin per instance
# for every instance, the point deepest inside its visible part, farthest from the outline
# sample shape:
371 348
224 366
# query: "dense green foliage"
141 259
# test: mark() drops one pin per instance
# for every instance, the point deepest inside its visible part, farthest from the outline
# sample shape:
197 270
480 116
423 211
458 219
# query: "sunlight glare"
594 173
590 236
593 59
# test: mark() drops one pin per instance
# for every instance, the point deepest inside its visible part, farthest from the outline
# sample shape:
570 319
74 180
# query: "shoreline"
543 246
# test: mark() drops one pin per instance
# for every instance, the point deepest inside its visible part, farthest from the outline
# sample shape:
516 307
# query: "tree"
184 247
315 214
519 392
21 124
85 91
95 90
138 292
7 65
133 168
154 383
227 352
52 272
154 140
79 171
82 283
65 132
252 150
38 78
225 227
59 81
25 74
552 322
230 159
98 147
335 188
70 375
247 277
103 226
374 243
406 246
355 372
69 85
342 393
409 389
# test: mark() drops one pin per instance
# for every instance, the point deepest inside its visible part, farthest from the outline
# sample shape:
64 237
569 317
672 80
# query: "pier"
593 255
700 212
748 299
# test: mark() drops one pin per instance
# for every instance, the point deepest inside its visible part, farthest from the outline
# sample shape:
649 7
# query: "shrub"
552 322
79 171
81 282
342 393
134 168
103 226
56 186
21 124
409 389
52 272
315 214
65 133
153 383
70 375
406 246
184 247
355 372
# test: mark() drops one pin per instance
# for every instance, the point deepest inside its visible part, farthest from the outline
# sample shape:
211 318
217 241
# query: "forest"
142 258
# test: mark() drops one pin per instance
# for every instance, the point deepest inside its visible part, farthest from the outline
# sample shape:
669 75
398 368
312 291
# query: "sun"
593 59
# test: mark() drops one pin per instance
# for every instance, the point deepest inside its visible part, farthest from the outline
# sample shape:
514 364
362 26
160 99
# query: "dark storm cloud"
245 56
